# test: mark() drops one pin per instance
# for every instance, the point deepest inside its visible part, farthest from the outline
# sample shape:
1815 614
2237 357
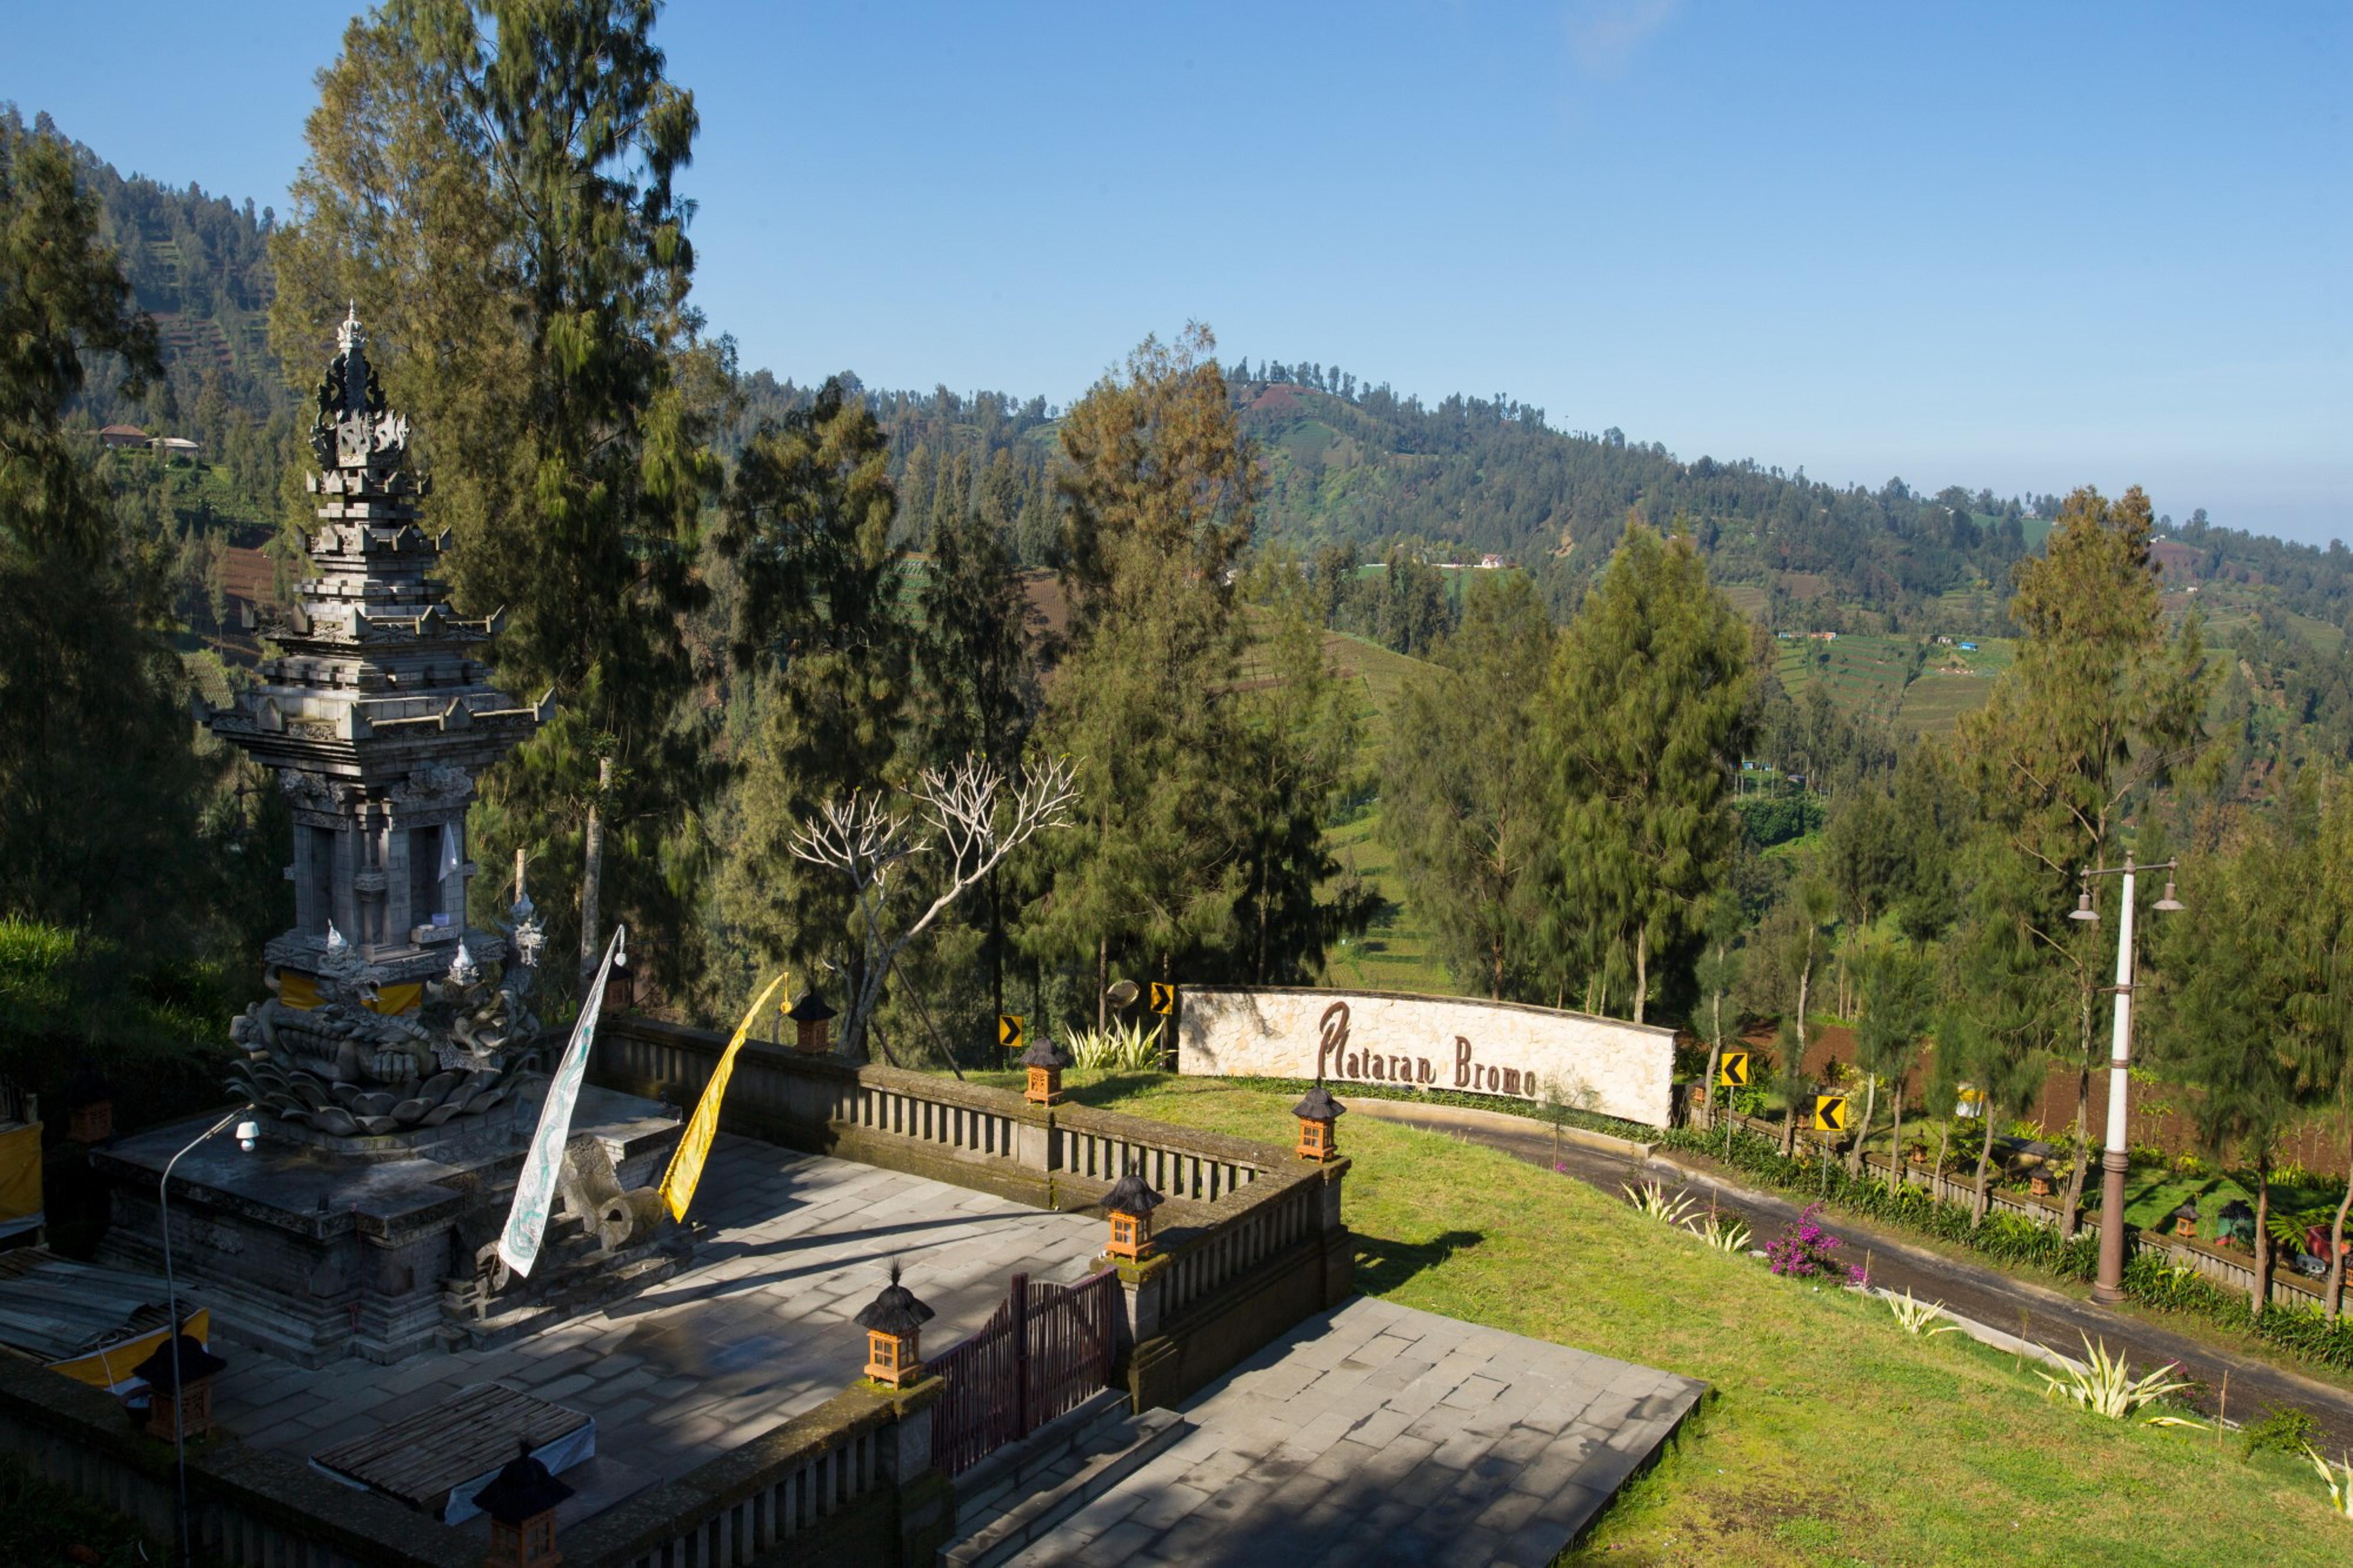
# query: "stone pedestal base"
315 1253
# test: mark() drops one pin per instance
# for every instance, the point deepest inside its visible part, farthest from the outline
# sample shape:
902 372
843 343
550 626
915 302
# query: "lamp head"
2083 910
248 1134
2168 901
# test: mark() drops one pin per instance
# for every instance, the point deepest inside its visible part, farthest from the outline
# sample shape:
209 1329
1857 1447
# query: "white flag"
535 1187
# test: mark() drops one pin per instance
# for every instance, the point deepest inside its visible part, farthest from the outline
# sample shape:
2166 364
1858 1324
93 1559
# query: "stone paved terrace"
755 1332
1378 1434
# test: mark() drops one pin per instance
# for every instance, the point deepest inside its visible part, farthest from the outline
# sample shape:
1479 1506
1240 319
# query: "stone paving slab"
756 1331
1377 1434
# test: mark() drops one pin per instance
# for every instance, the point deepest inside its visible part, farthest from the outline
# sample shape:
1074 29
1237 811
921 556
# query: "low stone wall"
848 1483
1251 1241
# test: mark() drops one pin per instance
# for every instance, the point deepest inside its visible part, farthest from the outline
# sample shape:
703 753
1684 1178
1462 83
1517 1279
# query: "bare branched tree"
971 814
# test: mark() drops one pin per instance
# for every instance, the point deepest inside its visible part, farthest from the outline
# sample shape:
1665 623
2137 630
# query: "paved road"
2052 1318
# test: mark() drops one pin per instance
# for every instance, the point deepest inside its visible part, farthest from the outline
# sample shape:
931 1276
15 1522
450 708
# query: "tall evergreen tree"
1461 787
1640 729
818 626
99 784
2101 707
497 180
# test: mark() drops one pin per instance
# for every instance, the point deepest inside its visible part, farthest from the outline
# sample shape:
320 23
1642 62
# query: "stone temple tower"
377 715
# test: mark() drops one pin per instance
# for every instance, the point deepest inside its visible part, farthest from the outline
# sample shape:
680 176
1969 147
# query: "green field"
1863 673
1833 1436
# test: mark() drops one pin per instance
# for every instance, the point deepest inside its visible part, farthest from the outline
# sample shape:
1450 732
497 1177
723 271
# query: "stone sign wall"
1462 1044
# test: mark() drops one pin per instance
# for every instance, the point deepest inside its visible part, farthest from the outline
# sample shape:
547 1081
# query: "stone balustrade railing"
1251 1241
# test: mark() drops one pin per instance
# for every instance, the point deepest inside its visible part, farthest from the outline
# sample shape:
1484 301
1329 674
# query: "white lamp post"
247 1133
2109 1289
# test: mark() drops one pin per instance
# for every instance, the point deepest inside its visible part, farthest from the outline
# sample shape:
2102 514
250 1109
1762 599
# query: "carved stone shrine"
395 1067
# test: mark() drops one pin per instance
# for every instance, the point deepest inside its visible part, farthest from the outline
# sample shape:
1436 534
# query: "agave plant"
2105 1386
1122 1048
1724 1234
2336 1478
1916 1317
1651 1198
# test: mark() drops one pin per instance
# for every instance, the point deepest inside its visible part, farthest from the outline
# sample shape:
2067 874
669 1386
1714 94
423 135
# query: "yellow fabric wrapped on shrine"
110 1368
391 999
20 1172
297 990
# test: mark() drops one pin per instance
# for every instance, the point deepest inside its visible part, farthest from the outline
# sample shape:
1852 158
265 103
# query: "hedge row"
2007 1240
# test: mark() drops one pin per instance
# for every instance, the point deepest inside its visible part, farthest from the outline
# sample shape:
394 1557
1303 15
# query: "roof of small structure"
521 1490
1317 1105
1132 1194
894 1309
1044 1053
86 1087
124 430
810 1009
2186 1209
194 1362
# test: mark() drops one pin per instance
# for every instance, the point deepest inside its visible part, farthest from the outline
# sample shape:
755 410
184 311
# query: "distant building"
1823 637
1490 563
1943 642
176 445
123 435
1968 647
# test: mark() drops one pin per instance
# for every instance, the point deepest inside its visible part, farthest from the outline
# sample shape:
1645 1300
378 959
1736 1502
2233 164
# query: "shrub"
1806 1251
2281 1429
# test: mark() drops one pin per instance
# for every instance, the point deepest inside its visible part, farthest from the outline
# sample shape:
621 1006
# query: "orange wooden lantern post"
91 1105
180 1387
1045 1060
1130 1204
814 1020
520 1500
894 1322
1316 1112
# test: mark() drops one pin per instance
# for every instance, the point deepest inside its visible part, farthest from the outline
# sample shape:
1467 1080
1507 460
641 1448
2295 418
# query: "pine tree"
494 181
1639 727
1461 784
817 624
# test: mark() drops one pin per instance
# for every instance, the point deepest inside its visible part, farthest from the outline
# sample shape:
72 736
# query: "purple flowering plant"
1806 1251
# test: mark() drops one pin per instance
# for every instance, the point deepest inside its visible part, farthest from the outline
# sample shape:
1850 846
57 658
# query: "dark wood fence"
1043 1352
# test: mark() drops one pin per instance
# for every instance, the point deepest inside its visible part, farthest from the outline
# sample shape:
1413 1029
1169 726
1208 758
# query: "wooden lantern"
2037 1182
814 1021
2185 1220
1130 1204
1045 1060
894 1322
522 1499
1316 1114
179 1378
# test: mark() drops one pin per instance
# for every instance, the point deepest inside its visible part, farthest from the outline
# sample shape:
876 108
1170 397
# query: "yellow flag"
686 1165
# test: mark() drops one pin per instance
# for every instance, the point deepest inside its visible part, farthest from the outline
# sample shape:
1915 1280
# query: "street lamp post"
2109 1289
245 1134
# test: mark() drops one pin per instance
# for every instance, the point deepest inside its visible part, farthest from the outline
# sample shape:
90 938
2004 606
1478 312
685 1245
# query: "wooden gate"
1045 1349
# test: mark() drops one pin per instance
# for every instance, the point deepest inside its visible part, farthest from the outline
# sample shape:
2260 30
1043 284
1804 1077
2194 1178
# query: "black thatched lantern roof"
195 1361
1044 1053
1132 1194
895 1311
2187 1209
86 1087
523 1489
809 1009
1318 1105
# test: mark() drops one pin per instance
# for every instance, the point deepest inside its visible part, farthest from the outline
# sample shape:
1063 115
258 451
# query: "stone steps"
1019 1494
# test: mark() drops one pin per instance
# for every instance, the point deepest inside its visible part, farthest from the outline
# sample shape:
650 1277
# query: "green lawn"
1833 1437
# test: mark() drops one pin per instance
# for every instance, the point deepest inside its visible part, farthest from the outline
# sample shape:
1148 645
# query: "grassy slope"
1834 1438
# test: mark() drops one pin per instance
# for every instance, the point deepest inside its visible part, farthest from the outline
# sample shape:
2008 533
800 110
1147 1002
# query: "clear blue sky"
2019 246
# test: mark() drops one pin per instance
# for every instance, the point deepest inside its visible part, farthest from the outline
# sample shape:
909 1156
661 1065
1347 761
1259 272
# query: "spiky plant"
1917 1318
2105 1386
2336 1478
1122 1048
1723 1233
1651 1198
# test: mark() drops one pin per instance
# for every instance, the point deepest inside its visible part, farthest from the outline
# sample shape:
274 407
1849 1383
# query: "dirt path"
2051 1316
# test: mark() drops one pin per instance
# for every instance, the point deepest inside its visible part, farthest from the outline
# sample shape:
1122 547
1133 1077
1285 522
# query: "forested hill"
1472 476
1348 464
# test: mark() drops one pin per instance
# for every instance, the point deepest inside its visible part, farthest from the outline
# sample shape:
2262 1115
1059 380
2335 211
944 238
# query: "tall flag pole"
535 1187
686 1166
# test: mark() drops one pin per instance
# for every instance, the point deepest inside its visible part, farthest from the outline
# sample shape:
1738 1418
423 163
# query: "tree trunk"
592 877
1944 1147
995 957
1714 1055
1641 969
1895 1136
2263 1235
2072 1220
1984 1158
1870 1108
1102 984
2337 1235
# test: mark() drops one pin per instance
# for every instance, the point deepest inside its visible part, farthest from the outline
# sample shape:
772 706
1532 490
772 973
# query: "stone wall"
1504 1048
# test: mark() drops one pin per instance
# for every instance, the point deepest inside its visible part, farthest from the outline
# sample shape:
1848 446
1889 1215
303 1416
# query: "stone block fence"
2231 1269
1250 1245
